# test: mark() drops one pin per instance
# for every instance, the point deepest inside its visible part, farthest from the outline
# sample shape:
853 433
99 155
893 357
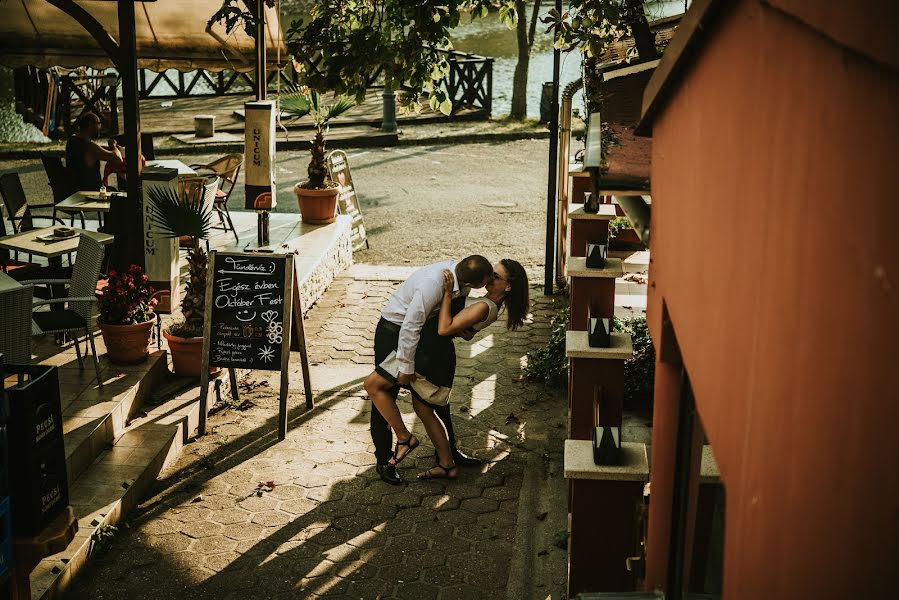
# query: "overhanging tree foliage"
342 46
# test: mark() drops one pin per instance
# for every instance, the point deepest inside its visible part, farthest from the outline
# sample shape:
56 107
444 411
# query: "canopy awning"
171 34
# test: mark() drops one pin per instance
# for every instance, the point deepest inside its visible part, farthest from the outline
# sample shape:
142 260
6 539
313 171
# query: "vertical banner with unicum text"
160 251
259 159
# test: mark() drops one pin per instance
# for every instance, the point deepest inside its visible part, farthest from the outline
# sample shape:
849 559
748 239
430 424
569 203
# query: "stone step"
94 417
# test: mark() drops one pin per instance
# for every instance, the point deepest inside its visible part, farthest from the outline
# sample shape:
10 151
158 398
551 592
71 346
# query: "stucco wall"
775 246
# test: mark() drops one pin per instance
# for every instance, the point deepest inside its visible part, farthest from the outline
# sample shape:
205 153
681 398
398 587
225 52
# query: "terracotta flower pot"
128 344
187 355
317 207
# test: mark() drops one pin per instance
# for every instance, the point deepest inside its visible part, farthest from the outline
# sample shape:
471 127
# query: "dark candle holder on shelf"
596 256
600 333
606 440
591 203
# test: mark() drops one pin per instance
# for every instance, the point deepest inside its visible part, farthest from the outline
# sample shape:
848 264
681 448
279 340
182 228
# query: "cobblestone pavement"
216 527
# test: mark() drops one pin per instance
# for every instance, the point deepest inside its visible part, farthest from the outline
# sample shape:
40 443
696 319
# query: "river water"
483 36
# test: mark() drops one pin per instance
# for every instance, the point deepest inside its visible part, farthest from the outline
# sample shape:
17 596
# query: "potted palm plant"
183 215
126 316
317 196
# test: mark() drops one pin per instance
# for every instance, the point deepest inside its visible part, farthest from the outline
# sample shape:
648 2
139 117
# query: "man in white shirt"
399 329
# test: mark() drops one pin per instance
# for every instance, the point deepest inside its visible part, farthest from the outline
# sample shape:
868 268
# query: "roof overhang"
171 34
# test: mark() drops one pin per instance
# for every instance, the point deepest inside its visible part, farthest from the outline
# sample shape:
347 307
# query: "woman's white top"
492 313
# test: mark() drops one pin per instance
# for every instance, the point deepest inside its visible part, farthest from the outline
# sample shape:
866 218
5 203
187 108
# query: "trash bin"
38 483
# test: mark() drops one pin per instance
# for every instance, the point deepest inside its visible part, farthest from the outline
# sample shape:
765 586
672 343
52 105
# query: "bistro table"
183 169
88 202
28 243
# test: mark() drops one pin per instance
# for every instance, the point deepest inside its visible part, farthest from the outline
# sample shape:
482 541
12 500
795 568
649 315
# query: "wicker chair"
227 168
17 206
204 188
82 295
15 335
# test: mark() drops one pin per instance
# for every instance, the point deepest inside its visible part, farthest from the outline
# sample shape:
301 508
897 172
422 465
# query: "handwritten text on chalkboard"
247 312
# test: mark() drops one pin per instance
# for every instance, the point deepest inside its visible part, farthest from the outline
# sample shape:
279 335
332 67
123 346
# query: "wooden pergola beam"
92 26
125 218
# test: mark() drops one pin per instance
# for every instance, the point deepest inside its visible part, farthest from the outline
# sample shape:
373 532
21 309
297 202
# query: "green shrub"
618 224
639 372
550 365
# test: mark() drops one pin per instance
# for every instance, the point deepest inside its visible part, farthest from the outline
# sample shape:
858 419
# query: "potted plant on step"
126 316
183 215
317 196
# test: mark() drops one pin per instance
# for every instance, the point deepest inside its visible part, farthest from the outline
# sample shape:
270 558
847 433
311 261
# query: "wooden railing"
175 84
51 99
469 83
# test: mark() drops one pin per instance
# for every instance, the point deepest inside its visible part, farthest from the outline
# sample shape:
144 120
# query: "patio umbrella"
171 34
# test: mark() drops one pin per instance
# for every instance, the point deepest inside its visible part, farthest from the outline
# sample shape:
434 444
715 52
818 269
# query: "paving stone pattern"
328 527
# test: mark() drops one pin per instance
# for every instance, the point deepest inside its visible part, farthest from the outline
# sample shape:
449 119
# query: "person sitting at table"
83 154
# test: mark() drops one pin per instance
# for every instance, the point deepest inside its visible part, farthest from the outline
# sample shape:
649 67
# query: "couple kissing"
414 350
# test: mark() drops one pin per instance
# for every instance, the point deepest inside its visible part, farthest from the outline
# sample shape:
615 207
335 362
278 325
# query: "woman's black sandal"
398 459
448 472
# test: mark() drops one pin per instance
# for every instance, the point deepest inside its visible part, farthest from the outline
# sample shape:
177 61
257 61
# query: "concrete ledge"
577 267
621 346
579 463
606 213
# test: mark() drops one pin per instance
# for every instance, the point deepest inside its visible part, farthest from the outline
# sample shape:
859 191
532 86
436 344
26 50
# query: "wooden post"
301 342
125 217
204 364
261 84
285 351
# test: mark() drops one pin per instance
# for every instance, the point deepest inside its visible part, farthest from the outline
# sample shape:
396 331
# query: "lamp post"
552 182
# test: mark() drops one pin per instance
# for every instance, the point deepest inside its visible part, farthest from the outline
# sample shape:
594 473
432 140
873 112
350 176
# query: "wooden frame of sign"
347 202
248 320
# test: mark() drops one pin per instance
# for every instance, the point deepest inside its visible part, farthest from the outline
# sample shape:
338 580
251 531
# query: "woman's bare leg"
377 388
436 432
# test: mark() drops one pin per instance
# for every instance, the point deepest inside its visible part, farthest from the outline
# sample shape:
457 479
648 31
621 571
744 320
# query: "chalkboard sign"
250 293
347 202
250 300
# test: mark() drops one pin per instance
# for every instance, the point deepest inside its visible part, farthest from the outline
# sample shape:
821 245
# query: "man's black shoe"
461 459
389 474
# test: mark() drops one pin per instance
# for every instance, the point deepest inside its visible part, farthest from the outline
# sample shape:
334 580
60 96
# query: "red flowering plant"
126 299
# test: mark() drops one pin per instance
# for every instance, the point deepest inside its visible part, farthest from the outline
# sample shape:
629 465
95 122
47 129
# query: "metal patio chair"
61 181
77 316
17 206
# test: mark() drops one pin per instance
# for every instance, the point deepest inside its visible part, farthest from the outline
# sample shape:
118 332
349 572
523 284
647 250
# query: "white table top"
7 282
28 243
183 169
86 202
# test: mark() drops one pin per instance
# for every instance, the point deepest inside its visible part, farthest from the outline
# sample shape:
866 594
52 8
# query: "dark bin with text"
37 469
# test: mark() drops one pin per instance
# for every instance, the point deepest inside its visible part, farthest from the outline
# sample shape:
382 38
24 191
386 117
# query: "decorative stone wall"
337 258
